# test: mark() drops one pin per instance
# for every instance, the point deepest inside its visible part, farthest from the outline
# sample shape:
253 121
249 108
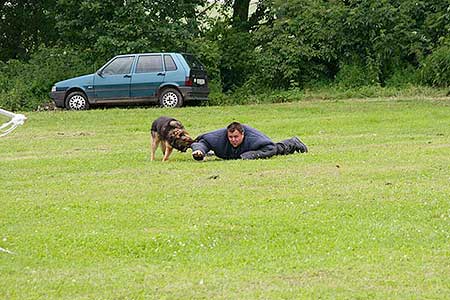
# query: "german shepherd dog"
170 133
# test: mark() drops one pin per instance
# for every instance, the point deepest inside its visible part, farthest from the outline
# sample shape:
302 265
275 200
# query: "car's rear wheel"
170 98
77 101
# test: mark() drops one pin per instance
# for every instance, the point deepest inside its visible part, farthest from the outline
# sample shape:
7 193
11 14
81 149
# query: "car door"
148 76
113 81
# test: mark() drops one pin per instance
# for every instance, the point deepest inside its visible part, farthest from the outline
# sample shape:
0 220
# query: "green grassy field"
364 215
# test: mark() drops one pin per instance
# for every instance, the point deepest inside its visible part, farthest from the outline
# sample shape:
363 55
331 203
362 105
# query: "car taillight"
188 81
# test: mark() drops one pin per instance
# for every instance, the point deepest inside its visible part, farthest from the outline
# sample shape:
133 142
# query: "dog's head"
180 139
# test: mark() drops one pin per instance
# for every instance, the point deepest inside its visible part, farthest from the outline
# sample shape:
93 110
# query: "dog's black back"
172 131
163 125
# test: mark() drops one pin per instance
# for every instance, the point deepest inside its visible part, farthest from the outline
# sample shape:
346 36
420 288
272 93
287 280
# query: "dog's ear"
175 124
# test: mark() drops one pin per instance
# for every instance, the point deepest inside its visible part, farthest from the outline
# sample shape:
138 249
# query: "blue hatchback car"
171 79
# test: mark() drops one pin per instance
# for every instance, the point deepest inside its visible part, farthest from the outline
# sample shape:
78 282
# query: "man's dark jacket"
255 144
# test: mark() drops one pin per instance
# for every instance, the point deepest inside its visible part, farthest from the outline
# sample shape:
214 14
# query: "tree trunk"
240 14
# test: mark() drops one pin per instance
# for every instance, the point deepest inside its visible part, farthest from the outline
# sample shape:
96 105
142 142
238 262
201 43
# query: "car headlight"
54 88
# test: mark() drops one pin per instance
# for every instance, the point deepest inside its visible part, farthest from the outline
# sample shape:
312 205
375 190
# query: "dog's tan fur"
170 134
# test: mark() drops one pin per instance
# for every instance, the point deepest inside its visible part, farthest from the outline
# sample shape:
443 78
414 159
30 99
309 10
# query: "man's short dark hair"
235 126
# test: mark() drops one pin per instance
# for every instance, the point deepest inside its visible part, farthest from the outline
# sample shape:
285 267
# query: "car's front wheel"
170 98
77 101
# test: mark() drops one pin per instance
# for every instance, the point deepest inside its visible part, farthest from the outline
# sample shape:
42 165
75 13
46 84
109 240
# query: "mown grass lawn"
364 215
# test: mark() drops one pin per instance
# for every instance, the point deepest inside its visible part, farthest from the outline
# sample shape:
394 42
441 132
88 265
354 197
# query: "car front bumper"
58 97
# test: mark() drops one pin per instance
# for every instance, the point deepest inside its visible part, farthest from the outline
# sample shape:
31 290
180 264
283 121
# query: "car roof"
149 53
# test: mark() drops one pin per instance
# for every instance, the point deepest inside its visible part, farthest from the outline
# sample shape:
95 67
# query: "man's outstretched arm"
199 149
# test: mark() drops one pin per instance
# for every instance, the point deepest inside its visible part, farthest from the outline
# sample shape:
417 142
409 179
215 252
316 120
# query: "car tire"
77 101
170 98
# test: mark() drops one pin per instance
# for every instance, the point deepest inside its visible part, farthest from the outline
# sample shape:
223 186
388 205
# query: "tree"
310 40
234 37
240 13
109 27
24 25
244 20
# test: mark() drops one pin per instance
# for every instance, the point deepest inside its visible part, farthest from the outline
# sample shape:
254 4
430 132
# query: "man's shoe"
300 147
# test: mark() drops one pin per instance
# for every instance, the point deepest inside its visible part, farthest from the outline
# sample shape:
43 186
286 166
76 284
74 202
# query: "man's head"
235 134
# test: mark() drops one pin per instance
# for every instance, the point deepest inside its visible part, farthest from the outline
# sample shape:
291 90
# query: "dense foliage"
247 46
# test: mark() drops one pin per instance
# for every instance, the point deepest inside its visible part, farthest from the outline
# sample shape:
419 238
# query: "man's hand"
198 155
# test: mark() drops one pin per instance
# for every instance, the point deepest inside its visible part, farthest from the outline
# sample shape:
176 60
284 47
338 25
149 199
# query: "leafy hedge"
296 45
435 69
26 85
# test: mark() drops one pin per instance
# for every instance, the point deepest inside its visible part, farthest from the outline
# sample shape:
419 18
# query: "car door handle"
161 74
127 76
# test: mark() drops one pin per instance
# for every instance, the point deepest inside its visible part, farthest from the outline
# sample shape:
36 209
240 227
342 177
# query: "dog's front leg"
167 152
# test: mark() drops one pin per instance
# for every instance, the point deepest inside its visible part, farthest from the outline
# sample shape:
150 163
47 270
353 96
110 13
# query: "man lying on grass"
242 141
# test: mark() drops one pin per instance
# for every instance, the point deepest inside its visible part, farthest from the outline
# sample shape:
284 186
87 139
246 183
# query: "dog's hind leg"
155 143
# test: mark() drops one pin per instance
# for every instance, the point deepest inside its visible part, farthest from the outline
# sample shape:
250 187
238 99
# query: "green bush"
17 98
25 85
403 77
355 75
292 51
435 69
237 62
208 52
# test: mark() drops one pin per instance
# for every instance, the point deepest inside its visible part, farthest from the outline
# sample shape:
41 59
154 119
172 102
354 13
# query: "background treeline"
249 47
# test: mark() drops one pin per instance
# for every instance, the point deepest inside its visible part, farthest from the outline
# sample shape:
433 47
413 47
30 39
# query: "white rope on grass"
6 251
16 120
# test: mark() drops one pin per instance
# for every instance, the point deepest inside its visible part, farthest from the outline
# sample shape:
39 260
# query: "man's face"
235 138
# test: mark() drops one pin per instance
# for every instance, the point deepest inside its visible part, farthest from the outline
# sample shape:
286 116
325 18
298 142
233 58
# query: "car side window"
120 65
169 63
149 64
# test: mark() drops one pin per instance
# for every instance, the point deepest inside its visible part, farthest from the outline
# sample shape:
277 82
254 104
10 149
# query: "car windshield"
193 62
120 65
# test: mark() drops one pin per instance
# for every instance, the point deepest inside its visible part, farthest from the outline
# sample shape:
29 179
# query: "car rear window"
170 64
149 64
193 62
